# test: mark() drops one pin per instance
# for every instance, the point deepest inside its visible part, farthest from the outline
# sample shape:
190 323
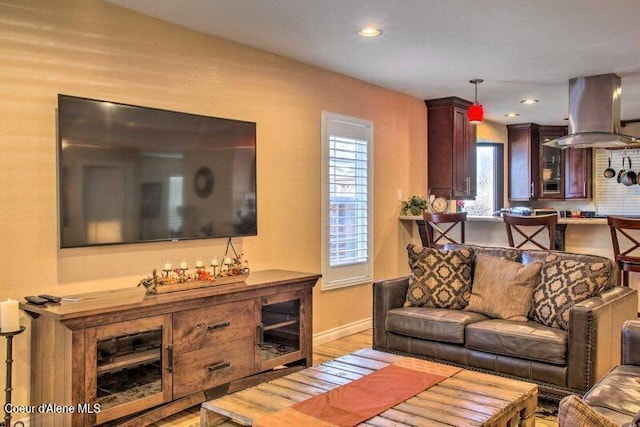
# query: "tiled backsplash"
612 198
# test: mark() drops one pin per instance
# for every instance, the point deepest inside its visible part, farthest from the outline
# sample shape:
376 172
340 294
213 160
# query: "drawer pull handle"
218 326
219 366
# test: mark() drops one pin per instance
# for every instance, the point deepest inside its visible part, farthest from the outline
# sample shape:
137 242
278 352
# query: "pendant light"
476 112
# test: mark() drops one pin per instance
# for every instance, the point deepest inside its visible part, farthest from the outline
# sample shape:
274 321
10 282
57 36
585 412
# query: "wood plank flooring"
322 353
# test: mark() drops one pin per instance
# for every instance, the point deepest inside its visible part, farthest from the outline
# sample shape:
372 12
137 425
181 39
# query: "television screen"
131 174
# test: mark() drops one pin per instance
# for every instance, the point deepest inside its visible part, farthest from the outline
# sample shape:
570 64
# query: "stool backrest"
435 224
542 222
623 226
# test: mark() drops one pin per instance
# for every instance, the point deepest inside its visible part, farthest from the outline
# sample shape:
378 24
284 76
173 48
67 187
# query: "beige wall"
93 49
492 131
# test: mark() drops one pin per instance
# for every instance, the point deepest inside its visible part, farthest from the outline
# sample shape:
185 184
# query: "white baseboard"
342 331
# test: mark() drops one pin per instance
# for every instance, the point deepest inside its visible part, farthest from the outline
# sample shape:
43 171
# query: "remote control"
50 298
36 300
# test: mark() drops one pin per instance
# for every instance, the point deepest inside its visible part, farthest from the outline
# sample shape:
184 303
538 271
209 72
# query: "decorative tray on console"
163 288
180 279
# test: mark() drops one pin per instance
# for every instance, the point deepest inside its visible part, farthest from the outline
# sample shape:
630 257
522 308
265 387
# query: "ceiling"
432 48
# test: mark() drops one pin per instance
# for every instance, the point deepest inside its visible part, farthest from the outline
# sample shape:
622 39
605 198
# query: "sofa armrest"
631 342
594 346
387 295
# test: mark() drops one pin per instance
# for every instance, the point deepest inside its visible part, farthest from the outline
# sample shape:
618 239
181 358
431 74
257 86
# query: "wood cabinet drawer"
210 367
212 326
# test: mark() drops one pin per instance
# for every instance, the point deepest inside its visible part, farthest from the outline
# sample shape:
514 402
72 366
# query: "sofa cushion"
502 289
439 279
618 391
511 254
436 324
564 282
526 340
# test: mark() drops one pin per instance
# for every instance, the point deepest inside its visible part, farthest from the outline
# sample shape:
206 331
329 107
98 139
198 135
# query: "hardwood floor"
322 353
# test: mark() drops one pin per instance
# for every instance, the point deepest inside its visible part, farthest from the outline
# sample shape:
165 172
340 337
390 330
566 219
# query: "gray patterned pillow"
564 283
440 279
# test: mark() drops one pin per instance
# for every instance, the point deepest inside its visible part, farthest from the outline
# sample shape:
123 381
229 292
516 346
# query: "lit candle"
167 266
215 262
183 265
199 264
9 316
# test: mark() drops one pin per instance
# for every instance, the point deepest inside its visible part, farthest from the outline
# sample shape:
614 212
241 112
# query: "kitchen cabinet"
577 173
452 148
524 161
552 172
538 172
124 353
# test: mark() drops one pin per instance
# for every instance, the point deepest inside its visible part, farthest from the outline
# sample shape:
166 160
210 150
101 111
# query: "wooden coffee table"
465 398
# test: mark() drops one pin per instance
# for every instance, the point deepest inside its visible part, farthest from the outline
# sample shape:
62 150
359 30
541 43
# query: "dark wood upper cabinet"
452 148
524 161
538 172
578 173
552 175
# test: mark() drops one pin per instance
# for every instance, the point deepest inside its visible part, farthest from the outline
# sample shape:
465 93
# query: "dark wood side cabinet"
578 180
524 161
451 148
538 172
148 356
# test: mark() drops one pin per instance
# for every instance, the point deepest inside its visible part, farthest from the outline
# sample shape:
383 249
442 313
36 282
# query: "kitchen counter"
489 236
564 221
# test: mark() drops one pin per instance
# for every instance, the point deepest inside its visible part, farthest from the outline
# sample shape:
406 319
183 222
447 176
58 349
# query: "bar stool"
543 222
432 221
626 262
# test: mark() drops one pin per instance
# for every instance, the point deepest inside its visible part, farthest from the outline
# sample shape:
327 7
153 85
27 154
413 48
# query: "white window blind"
347 204
348 191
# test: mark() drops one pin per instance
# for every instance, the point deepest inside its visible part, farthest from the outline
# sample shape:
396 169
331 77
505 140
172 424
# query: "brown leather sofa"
560 362
617 395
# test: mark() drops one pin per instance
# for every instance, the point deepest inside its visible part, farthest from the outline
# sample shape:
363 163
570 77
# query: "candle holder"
167 268
215 266
9 337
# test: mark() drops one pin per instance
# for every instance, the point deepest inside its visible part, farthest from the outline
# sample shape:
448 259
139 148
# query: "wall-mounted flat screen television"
130 174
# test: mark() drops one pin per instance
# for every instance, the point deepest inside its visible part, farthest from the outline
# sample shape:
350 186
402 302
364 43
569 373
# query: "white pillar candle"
167 266
9 316
183 265
199 264
228 261
215 262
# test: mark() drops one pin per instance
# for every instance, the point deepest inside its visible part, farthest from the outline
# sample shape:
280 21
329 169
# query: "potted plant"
414 205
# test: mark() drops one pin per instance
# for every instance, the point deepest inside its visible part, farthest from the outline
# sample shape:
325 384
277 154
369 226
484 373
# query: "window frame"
498 171
498 174
340 276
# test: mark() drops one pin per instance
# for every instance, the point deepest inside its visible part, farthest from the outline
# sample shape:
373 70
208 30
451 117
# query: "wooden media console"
139 358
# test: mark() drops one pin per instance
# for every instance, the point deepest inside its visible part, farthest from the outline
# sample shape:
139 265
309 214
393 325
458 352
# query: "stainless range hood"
594 114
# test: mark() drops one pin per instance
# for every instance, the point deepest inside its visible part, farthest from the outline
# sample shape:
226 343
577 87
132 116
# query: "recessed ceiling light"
369 32
512 115
529 101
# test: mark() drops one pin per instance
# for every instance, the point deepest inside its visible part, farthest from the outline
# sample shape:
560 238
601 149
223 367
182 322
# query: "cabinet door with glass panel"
551 164
128 366
283 329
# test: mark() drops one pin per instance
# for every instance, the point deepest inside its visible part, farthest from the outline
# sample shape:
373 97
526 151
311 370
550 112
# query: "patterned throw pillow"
564 283
440 279
502 289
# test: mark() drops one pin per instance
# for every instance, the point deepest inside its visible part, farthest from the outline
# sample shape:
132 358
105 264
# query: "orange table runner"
357 401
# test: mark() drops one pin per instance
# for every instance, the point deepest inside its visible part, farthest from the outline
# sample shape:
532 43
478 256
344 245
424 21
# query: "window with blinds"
347 201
